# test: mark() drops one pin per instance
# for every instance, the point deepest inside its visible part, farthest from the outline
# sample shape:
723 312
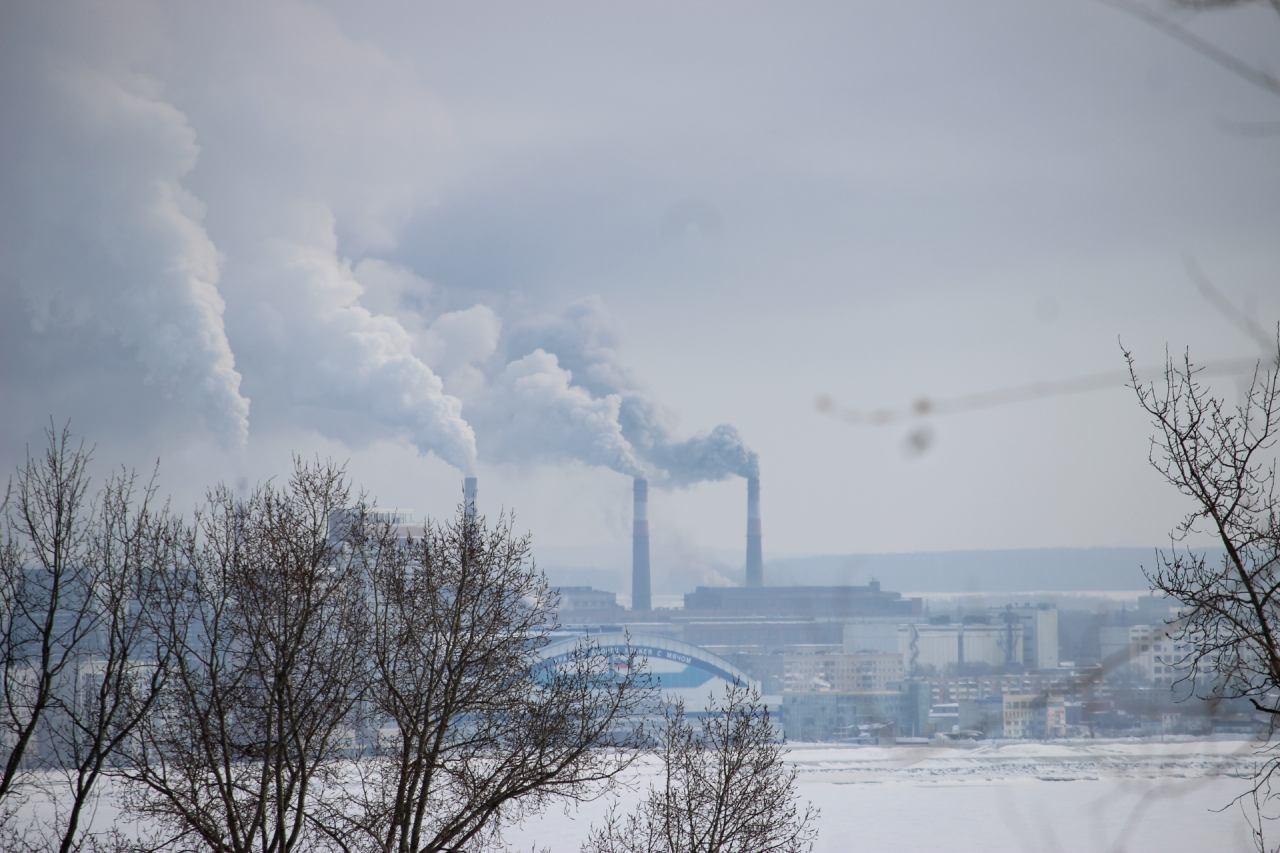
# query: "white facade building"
1039 636
1147 652
953 644
873 633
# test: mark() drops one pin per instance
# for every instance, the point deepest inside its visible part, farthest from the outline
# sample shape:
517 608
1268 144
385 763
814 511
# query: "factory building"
813 602
763 634
403 522
1039 633
955 646
584 605
1039 636
872 634
1034 638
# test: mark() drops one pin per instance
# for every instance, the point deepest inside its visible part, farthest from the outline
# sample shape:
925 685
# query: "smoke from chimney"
632 434
755 555
640 591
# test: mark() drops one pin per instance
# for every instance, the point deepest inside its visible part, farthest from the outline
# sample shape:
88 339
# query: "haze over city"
283 229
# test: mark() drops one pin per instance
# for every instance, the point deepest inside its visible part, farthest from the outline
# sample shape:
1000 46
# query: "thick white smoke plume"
191 210
585 343
336 355
537 412
185 193
100 238
715 455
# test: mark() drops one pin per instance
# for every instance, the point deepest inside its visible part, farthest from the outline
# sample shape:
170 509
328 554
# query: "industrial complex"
859 663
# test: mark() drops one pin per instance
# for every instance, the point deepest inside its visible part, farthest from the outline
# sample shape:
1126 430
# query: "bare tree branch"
725 788
1222 459
1223 58
471 729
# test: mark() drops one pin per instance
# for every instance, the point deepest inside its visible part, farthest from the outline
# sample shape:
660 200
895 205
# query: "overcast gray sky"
426 238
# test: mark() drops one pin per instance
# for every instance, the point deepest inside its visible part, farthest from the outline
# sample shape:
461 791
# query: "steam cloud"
225 243
543 415
129 262
585 342
190 232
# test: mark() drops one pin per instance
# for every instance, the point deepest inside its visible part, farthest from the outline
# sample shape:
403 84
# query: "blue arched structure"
679 669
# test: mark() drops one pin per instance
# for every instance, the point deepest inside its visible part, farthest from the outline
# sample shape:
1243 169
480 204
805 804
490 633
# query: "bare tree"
122 669
1222 458
473 729
80 667
725 788
283 674
266 613
45 612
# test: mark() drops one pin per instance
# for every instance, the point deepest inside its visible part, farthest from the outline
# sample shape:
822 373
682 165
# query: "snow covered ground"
1069 796
1014 796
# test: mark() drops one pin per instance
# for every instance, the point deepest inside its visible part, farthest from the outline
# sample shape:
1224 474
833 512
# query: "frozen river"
1013 796
1073 796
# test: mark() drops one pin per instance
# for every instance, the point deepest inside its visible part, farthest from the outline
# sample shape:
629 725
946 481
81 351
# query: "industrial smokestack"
755 555
640 593
470 490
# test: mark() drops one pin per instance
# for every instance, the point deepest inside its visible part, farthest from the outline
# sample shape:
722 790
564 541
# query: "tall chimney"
755 555
470 490
640 592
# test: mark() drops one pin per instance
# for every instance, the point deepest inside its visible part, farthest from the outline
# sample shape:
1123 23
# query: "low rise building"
586 605
1023 715
829 716
1034 716
982 715
826 668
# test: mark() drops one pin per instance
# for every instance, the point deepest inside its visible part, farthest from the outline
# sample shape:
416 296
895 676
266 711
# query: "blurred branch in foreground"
1223 58
1238 318
924 407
